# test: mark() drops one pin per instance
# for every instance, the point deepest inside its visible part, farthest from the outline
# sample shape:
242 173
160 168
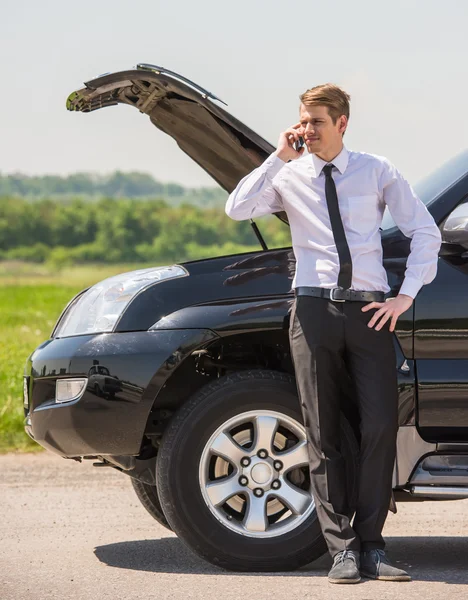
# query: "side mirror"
455 227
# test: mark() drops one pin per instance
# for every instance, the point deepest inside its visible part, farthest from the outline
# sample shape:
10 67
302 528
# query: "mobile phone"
298 145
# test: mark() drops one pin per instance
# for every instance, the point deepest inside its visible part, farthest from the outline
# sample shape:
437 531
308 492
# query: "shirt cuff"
410 287
273 165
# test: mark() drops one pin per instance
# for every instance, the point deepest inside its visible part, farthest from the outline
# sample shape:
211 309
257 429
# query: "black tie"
346 267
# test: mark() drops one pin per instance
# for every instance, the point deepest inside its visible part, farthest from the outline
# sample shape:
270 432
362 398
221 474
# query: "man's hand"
285 149
392 308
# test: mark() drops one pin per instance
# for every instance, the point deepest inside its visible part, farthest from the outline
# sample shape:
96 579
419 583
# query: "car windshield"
431 186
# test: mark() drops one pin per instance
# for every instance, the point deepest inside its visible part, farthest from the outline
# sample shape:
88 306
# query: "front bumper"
105 420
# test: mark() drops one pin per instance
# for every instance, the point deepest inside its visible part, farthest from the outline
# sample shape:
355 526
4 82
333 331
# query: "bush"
113 230
37 253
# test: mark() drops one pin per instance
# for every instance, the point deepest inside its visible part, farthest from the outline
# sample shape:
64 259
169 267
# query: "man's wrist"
410 287
272 166
405 296
281 155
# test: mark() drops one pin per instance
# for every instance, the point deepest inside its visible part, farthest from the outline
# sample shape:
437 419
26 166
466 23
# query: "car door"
441 338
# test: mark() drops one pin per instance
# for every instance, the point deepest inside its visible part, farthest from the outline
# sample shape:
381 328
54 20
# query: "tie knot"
327 169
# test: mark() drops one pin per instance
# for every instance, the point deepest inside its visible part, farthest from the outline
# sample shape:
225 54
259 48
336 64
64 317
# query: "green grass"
31 299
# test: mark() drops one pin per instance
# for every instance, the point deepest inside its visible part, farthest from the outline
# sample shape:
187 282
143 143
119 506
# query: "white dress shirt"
365 183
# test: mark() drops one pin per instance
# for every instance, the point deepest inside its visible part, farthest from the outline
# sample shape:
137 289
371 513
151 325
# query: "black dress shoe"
345 567
376 565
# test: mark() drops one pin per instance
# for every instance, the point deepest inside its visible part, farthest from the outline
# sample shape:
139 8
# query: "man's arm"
258 192
416 222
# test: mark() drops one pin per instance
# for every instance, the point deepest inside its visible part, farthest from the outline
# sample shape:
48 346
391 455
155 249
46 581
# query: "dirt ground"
70 530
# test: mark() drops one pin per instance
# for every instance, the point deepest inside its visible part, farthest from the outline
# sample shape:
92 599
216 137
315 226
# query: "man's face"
320 133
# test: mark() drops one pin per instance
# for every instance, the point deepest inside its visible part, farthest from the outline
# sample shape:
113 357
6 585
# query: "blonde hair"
329 95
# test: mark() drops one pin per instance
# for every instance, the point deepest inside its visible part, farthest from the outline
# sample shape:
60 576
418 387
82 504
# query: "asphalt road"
69 530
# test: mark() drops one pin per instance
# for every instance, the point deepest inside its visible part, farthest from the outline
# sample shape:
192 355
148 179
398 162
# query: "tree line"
114 230
116 185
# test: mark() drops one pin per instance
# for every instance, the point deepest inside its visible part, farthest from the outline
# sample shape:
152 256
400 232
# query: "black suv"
181 377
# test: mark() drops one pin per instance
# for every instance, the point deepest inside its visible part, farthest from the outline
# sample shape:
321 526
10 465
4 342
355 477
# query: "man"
334 199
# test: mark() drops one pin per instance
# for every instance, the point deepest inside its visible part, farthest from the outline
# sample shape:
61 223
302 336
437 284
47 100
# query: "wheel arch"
241 351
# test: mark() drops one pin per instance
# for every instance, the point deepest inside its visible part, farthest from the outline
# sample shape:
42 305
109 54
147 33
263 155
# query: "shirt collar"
340 161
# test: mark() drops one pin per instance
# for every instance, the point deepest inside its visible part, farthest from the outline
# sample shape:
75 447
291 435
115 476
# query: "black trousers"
325 337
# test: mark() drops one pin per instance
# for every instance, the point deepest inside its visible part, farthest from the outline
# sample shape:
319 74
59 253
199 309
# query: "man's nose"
309 128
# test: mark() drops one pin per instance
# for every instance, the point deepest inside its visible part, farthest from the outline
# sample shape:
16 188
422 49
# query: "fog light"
69 389
26 392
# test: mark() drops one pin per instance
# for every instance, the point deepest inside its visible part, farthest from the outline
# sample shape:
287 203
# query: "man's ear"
343 123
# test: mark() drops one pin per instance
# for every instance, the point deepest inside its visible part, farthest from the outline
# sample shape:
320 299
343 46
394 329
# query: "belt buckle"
332 297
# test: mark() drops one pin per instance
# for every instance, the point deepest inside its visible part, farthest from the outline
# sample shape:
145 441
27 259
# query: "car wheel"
233 476
148 496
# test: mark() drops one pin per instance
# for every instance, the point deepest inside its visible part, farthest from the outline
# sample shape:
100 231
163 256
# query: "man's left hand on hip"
391 309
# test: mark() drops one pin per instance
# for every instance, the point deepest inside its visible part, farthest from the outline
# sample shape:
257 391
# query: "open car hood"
223 146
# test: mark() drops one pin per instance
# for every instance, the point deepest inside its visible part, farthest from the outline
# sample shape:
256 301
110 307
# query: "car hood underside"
222 145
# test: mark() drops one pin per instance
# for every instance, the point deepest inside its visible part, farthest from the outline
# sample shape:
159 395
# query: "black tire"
177 474
148 496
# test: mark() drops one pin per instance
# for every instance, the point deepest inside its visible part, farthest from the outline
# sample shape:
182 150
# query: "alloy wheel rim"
254 475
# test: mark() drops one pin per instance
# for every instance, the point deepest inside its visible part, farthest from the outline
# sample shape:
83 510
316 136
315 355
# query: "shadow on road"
442 559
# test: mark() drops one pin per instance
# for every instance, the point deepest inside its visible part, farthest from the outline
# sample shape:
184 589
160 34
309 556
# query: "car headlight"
97 309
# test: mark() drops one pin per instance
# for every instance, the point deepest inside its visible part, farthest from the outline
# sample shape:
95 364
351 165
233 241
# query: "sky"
404 63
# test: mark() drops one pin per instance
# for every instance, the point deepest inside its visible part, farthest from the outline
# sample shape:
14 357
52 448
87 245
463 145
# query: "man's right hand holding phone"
288 141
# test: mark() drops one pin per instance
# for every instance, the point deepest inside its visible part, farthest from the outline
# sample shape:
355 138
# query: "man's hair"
330 95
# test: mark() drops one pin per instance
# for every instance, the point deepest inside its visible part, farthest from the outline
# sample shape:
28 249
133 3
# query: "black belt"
338 294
